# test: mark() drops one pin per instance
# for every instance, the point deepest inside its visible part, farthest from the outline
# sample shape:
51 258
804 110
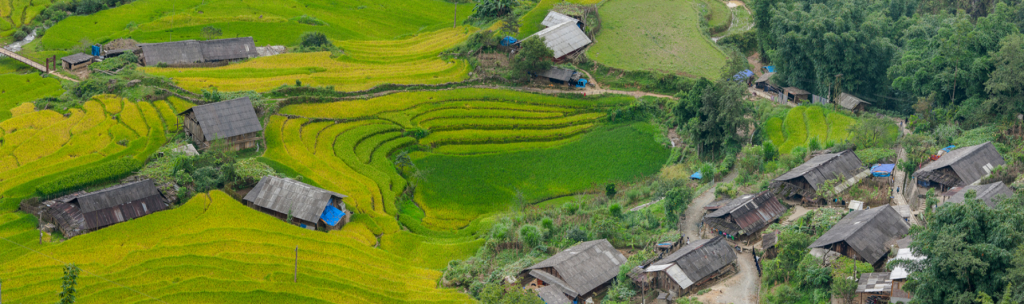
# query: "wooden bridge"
33 64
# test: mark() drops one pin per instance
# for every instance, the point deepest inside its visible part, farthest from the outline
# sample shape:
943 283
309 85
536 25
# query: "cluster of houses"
794 94
869 235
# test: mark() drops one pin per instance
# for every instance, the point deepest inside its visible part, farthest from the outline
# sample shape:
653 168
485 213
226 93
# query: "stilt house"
692 267
745 215
95 210
573 275
805 180
960 167
233 121
307 206
864 234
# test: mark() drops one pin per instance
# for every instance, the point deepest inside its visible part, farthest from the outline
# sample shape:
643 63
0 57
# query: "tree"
676 201
872 132
493 8
534 57
498 294
315 39
1005 84
531 236
510 25
211 32
67 295
719 117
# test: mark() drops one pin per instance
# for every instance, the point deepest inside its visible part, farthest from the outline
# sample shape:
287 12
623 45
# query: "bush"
770 151
531 236
314 40
615 210
534 57
19 35
548 224
609 190
576 235
304 19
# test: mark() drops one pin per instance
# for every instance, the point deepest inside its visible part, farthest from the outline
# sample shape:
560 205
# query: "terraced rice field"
804 123
16 89
212 249
269 22
15 13
351 153
668 39
365 64
39 147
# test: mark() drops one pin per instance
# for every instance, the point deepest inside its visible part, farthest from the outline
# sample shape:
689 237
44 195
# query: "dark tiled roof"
970 163
701 258
229 49
866 231
552 295
825 167
585 266
225 119
191 51
990 194
117 195
287 195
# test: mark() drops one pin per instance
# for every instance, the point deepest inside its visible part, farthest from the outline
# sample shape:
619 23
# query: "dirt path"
755 61
695 212
741 288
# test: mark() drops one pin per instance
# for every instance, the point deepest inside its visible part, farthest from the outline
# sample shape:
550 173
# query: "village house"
864 234
694 266
990 194
805 180
875 287
307 206
80 214
762 82
573 275
76 62
852 103
198 53
899 275
745 215
563 35
960 167
233 122
768 245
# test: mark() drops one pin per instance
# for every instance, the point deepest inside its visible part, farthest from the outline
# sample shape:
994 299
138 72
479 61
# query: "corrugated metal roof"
899 272
990 194
877 282
849 101
866 231
76 58
124 212
558 73
225 119
585 266
751 213
764 77
287 195
116 195
796 91
552 295
825 167
563 38
970 163
701 258
555 18
679 276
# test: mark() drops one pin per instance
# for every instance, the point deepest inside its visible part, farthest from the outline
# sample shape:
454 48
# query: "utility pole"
296 279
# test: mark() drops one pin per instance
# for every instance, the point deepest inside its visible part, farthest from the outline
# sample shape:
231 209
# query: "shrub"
531 236
814 144
615 210
315 39
19 35
548 224
533 57
304 19
609 190
770 151
576 235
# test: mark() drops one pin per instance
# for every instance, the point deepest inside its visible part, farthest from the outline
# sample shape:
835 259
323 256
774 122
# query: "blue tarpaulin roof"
697 175
508 40
947 149
882 170
769 69
743 75
332 215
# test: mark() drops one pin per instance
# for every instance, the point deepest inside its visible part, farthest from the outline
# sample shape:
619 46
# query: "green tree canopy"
534 57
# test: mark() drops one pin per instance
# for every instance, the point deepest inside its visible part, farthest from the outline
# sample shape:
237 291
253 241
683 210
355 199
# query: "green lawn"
667 38
459 188
269 22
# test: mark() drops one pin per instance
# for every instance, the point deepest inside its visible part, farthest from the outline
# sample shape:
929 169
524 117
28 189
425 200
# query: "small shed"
768 242
745 215
796 95
309 207
804 180
564 38
899 275
76 62
856 205
990 194
864 234
95 210
852 103
875 287
576 272
762 82
960 167
694 266
232 121
561 75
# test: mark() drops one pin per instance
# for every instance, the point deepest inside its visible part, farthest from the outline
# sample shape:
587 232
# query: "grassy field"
269 22
15 13
718 15
212 249
40 150
459 188
355 157
365 64
803 123
668 39
16 89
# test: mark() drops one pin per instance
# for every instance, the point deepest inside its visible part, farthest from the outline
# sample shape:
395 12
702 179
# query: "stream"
16 47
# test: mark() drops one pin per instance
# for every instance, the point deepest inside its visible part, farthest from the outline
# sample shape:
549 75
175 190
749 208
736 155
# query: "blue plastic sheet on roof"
947 149
743 75
332 215
769 69
508 40
883 170
697 175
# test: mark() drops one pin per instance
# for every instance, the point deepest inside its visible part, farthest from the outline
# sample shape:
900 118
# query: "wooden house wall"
664 282
897 290
191 125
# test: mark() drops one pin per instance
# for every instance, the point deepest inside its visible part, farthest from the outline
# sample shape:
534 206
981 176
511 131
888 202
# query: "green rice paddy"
803 123
16 89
